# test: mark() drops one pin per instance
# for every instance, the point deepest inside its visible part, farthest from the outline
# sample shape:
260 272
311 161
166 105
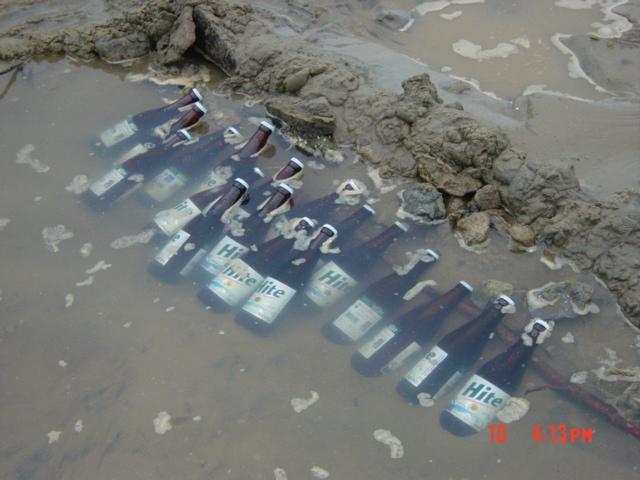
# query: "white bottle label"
165 184
172 247
219 257
173 219
216 178
269 300
108 181
328 285
401 358
236 283
379 340
119 132
424 367
478 402
359 318
139 149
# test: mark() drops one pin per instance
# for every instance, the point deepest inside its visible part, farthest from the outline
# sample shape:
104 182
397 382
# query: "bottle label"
172 247
236 283
401 358
359 318
119 132
328 285
191 264
478 402
381 338
219 257
269 300
139 149
448 386
216 178
424 367
165 184
173 219
108 181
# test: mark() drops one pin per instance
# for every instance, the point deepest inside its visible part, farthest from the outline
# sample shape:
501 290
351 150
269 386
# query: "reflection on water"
108 374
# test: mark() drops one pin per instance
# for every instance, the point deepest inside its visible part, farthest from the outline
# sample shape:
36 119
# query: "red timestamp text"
557 433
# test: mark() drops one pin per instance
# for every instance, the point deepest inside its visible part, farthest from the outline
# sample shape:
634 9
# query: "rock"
420 88
489 290
522 234
555 301
296 81
458 87
172 46
474 228
454 105
487 197
119 49
628 404
455 206
425 203
11 48
392 130
310 117
393 18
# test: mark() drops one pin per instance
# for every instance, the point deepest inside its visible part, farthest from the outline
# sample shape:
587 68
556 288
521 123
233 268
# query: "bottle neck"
353 221
256 143
183 101
185 121
379 243
438 308
476 332
228 199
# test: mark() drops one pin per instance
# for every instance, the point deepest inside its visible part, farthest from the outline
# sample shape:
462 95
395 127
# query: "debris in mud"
554 301
86 249
79 184
3 223
68 300
394 443
568 338
54 235
53 436
127 241
162 423
279 474
78 426
101 265
301 404
514 409
319 473
86 282
24 157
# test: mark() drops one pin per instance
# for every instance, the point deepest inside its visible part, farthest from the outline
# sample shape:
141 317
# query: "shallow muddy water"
80 386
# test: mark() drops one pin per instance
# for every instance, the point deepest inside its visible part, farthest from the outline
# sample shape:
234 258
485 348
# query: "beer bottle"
335 278
231 287
291 171
489 389
392 346
257 141
130 174
261 312
319 206
453 355
255 229
377 301
182 246
187 120
147 120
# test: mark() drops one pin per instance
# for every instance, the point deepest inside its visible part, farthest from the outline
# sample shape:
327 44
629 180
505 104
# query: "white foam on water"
279 474
68 300
127 325
101 265
425 400
319 473
434 6
197 418
54 235
568 338
162 423
23 156
62 363
475 51
579 377
452 15
417 288
86 249
78 426
514 409
128 240
79 184
53 436
301 404
396 449
86 282
3 223
170 309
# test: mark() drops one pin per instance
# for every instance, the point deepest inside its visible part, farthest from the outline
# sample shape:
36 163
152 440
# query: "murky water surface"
81 384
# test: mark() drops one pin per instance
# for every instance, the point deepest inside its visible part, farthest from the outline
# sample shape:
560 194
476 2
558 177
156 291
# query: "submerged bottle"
489 389
335 278
182 246
320 206
256 226
442 367
242 275
131 173
147 120
394 345
267 305
377 301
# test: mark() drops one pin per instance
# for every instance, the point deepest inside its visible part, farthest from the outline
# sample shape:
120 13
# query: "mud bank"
330 99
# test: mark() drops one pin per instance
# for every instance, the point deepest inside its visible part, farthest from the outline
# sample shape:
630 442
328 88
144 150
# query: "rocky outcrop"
173 45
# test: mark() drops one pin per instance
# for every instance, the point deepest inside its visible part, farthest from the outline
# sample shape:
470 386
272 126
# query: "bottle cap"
242 182
466 285
433 254
331 228
508 300
258 172
233 130
297 162
268 126
197 94
541 322
185 133
199 106
354 186
286 187
402 226
309 221
368 207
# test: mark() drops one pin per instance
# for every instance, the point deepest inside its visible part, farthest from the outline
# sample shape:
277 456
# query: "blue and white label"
166 184
359 318
172 247
219 257
328 285
425 366
108 181
478 402
173 219
269 300
119 132
236 283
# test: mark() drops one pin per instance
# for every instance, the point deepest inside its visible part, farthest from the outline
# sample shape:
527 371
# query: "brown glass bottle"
486 392
395 344
317 208
443 366
257 141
